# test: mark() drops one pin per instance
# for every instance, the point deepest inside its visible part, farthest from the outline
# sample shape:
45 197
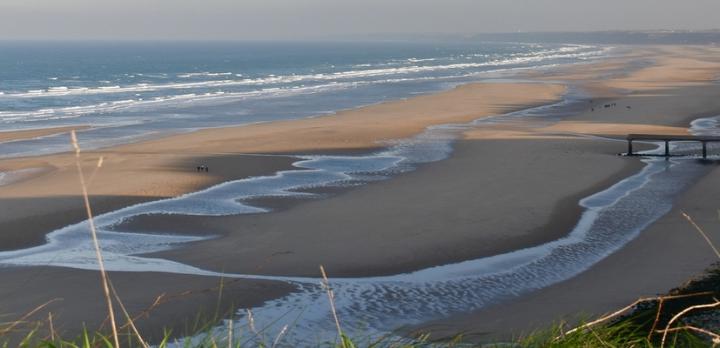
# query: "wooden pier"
669 138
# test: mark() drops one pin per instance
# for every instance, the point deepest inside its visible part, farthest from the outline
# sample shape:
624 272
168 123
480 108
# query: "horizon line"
371 36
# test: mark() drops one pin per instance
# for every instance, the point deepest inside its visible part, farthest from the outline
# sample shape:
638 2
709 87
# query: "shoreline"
174 158
324 142
482 72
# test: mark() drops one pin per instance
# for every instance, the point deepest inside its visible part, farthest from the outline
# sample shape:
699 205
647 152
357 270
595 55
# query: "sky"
329 19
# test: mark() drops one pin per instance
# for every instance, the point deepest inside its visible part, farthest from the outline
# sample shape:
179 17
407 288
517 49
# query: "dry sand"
538 171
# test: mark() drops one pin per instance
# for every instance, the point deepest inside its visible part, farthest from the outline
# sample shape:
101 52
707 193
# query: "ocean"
130 91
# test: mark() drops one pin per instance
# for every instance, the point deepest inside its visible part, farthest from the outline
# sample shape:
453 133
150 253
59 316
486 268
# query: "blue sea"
129 91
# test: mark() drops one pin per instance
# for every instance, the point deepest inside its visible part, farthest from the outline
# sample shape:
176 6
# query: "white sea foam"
206 74
420 60
172 100
271 79
334 81
189 98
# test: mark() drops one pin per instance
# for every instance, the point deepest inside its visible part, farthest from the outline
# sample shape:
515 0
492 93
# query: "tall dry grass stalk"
230 333
27 315
251 324
629 307
682 313
715 337
130 321
702 233
51 326
279 336
331 298
661 301
93 233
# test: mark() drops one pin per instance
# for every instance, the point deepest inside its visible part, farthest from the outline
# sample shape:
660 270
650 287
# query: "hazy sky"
298 19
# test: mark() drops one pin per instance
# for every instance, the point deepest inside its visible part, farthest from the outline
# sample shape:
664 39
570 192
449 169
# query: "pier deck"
670 138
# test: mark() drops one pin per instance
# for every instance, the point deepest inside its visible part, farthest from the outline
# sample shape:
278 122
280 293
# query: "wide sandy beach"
505 187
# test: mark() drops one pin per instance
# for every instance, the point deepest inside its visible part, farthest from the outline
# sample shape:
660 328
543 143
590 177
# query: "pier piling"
704 140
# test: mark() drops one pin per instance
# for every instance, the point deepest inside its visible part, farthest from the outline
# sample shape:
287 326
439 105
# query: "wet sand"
436 215
36 133
666 255
503 188
157 301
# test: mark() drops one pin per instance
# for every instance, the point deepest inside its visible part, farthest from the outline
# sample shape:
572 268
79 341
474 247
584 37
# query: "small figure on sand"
202 168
